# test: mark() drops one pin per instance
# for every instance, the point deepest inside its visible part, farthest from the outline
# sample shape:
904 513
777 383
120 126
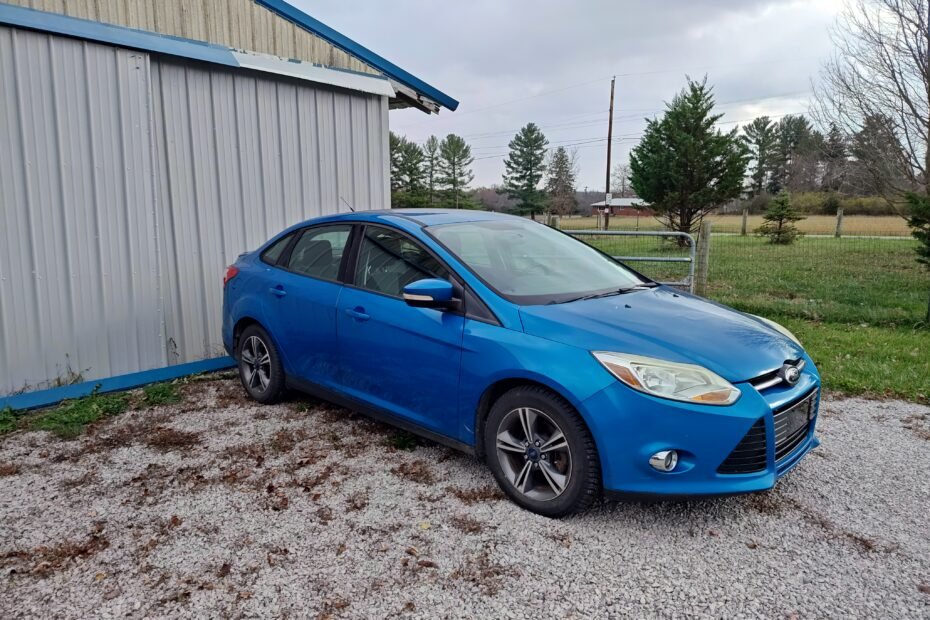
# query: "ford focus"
571 375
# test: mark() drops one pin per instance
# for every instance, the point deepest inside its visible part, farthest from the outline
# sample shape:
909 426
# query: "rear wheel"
260 367
541 452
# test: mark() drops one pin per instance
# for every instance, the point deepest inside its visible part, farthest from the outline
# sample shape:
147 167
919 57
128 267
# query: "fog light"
664 460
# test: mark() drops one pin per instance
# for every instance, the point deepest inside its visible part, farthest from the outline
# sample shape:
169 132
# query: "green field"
857 304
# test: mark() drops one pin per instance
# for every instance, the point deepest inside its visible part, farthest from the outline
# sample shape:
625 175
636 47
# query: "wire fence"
857 269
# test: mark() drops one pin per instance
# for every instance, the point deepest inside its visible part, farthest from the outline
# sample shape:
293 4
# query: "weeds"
7 421
402 440
69 419
159 394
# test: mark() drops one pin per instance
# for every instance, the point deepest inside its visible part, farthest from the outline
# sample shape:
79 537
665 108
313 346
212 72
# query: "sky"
513 62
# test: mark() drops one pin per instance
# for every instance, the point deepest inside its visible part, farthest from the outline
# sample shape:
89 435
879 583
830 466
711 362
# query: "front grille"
792 424
749 455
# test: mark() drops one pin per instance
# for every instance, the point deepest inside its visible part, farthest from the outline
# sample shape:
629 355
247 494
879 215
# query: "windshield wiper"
620 291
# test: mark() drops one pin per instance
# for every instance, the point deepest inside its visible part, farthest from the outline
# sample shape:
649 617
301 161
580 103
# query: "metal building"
134 166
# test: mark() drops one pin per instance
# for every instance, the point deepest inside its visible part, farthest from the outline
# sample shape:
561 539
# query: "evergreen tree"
560 185
524 169
759 137
455 160
407 173
684 167
919 221
395 143
794 138
431 168
779 221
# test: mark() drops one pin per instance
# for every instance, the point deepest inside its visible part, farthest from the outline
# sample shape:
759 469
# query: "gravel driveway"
216 507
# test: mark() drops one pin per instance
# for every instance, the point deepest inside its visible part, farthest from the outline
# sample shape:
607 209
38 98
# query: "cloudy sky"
548 62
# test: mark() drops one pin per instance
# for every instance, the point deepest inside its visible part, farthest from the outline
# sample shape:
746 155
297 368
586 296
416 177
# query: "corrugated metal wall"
129 182
241 24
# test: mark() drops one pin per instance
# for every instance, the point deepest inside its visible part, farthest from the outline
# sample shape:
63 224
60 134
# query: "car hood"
666 324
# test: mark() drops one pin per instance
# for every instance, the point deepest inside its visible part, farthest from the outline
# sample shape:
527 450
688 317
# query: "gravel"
218 507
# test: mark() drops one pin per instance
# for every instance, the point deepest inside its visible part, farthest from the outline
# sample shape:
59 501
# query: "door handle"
278 290
357 313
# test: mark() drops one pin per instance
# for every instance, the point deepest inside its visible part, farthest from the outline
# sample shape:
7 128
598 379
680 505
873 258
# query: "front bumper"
629 426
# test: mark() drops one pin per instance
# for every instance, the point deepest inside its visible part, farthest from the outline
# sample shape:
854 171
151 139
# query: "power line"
603 77
636 116
594 141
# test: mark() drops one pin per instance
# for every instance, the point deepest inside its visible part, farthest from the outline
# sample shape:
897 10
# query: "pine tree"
919 221
759 137
684 167
524 169
407 173
454 169
794 138
560 185
779 221
431 168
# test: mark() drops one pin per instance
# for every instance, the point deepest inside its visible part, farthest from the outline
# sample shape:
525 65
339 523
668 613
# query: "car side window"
319 251
388 261
272 254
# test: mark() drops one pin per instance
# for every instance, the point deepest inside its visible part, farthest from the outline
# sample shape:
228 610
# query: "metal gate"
688 282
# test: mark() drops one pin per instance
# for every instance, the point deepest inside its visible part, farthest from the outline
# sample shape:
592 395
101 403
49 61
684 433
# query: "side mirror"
429 293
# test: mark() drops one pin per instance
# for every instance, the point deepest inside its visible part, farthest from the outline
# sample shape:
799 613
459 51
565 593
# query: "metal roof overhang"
411 89
196 50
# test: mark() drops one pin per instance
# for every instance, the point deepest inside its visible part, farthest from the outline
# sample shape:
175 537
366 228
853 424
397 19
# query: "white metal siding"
128 183
241 24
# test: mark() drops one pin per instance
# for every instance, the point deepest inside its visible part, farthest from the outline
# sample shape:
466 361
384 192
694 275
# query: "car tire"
551 477
260 368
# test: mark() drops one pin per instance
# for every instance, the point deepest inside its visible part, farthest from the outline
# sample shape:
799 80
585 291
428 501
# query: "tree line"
438 174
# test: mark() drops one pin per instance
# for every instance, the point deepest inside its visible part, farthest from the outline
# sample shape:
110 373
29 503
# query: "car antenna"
351 208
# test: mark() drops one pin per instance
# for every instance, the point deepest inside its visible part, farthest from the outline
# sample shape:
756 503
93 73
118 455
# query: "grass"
873 281
867 360
158 394
69 419
858 305
879 225
7 421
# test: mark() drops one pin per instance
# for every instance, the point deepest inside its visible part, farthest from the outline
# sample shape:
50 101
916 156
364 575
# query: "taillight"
231 272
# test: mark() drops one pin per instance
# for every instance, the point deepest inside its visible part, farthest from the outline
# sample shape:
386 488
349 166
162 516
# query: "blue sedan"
568 373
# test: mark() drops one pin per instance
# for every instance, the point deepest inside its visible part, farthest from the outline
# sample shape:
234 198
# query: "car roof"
423 217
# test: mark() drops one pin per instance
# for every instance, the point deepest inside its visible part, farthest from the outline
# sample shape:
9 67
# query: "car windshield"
529 263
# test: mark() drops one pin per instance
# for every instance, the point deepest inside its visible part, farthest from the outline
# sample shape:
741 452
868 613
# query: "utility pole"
610 135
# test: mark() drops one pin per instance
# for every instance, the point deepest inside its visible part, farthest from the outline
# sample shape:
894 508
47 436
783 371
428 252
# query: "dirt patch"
44 560
482 571
470 497
8 469
417 471
919 424
165 439
287 439
467 524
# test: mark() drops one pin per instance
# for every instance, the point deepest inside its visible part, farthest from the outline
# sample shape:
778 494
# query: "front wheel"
260 368
541 452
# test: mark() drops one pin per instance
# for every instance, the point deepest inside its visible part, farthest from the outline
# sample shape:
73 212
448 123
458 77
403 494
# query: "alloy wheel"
255 361
534 454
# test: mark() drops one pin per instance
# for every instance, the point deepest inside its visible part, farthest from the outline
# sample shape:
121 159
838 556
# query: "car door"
399 358
301 301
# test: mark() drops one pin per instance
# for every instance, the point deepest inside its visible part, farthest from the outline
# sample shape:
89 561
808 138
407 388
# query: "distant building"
625 206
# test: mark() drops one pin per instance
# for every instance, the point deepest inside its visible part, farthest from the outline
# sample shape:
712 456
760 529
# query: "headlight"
684 382
779 328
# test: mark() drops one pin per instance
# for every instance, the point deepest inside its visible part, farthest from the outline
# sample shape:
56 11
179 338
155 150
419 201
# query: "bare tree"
620 181
880 75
